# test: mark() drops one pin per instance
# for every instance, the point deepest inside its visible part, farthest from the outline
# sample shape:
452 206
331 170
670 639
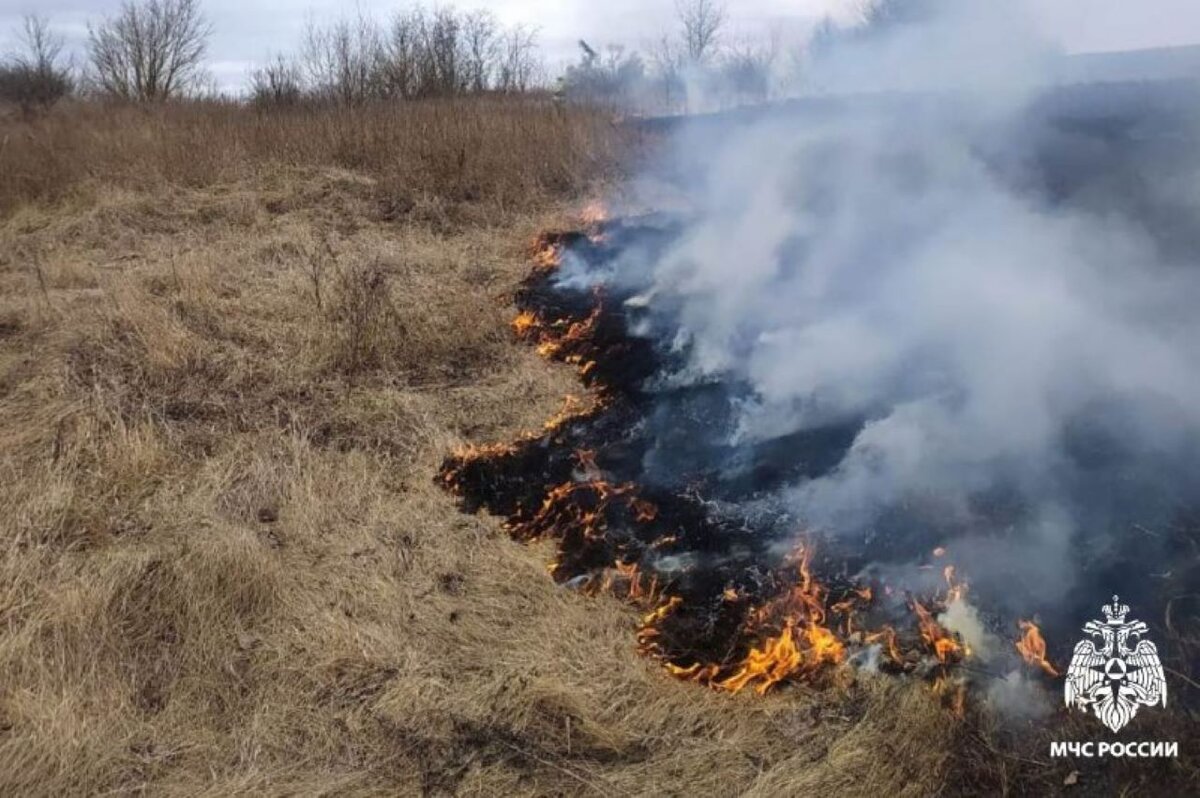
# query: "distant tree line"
419 54
697 66
150 50
700 66
154 50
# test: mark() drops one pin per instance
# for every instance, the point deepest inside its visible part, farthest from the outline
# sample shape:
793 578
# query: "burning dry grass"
224 567
788 628
763 627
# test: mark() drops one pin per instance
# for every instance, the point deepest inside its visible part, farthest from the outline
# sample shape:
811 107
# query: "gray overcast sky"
246 30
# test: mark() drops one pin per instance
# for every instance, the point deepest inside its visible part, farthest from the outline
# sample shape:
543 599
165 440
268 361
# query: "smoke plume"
986 280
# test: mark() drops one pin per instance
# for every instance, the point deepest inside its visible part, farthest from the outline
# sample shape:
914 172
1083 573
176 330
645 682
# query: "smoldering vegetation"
952 312
228 367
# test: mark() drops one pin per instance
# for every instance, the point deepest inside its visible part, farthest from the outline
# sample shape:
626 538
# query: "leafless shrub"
279 83
363 318
151 50
481 45
744 70
342 61
614 76
420 54
519 63
35 78
319 260
876 15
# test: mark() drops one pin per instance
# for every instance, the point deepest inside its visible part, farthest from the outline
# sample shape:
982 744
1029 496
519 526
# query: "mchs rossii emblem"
1114 679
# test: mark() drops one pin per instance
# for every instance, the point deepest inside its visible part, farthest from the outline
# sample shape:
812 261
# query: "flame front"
561 339
792 639
947 647
547 255
611 538
803 645
525 323
1032 647
944 645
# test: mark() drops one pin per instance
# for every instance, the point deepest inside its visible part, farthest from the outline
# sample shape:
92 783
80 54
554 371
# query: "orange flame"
886 635
790 635
628 581
955 591
943 644
1032 646
643 511
451 473
803 645
547 256
777 659
793 641
957 692
648 629
524 323
576 332
573 408
587 460
958 704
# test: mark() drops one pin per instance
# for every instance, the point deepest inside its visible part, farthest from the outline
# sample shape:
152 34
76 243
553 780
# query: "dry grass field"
233 351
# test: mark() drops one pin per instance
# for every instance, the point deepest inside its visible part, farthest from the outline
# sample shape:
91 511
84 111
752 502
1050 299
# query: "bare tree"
35 77
668 61
278 83
481 45
42 47
400 67
745 70
518 60
151 50
701 21
421 53
342 61
444 52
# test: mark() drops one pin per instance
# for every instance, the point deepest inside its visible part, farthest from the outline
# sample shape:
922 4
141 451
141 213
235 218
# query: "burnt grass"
698 546
692 544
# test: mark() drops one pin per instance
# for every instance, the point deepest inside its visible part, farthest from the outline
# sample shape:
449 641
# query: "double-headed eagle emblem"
1114 680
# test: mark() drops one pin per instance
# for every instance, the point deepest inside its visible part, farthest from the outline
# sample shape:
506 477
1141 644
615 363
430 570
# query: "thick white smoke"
885 266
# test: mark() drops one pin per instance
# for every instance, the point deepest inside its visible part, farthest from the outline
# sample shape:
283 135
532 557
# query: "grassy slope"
224 566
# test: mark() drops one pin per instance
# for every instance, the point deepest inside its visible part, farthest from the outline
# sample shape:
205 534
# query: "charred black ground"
646 500
630 489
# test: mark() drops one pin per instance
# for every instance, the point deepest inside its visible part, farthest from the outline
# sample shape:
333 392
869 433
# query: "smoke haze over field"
1019 358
